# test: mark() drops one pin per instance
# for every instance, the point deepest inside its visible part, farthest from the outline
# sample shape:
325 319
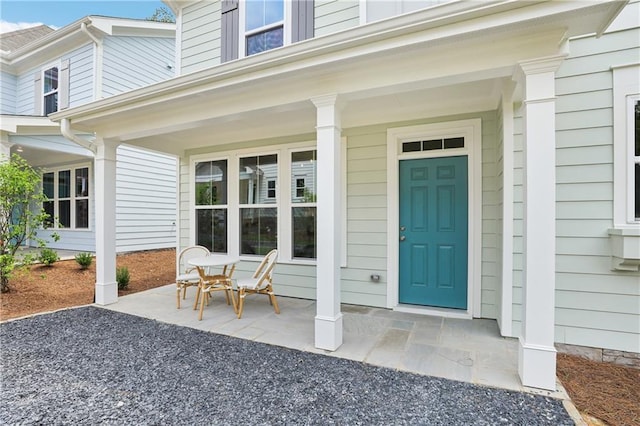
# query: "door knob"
402 238
402 228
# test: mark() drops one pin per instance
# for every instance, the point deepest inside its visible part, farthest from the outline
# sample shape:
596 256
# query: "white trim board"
472 131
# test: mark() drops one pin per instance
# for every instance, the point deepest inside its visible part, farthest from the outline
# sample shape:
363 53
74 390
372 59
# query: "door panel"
434 232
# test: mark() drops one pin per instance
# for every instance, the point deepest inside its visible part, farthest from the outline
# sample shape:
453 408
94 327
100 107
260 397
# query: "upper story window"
50 90
253 26
264 25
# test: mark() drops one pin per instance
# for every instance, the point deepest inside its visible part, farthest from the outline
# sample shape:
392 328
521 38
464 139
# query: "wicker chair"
188 275
260 283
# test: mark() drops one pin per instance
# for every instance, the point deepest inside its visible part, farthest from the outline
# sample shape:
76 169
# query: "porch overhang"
456 53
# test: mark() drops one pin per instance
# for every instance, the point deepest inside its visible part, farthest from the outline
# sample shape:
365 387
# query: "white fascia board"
13 123
177 5
447 21
131 27
71 37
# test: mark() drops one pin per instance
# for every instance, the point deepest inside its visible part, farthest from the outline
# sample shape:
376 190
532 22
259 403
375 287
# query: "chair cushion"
250 283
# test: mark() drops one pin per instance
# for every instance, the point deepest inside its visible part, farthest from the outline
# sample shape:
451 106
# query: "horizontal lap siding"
366 219
145 200
606 312
491 211
25 92
594 305
335 15
81 75
133 62
8 83
201 36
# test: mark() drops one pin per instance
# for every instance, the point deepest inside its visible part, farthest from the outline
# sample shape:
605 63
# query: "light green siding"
335 15
595 306
366 234
200 36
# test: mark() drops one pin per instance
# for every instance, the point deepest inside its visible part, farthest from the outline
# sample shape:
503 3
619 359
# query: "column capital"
330 99
106 148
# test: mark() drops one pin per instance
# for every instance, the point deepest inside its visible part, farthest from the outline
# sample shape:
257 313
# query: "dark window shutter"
37 94
63 86
230 30
302 20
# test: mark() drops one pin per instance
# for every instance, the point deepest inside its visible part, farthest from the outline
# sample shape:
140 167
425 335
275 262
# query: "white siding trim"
473 134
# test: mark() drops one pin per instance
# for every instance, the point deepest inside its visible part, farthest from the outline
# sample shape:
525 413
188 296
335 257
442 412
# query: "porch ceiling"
418 70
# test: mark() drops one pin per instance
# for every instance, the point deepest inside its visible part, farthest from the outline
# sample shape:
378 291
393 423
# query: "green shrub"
84 260
48 256
122 277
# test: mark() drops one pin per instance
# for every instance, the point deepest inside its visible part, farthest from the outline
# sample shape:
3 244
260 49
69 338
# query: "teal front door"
434 232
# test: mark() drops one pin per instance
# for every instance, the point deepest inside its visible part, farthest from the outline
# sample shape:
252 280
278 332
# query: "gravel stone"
90 366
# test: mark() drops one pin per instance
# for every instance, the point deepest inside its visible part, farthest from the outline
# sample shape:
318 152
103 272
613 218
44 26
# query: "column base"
537 365
106 293
328 332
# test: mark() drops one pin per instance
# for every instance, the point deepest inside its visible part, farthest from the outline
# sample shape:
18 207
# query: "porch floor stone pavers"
451 348
90 365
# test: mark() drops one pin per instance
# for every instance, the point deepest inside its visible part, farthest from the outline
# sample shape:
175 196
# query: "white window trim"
625 234
286 28
72 198
283 203
47 67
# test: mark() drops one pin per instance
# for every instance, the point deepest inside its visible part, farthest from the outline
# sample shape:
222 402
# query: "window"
626 146
624 234
636 156
271 188
50 90
264 25
67 192
211 205
258 209
303 199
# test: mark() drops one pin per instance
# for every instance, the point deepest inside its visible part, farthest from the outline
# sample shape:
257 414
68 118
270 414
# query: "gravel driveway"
94 366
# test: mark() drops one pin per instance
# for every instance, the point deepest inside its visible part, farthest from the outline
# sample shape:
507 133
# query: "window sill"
625 248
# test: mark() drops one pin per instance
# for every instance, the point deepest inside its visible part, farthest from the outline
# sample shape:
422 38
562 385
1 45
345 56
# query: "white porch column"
5 147
328 321
105 225
537 354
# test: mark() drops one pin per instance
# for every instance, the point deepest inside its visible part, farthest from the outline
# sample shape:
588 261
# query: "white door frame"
472 132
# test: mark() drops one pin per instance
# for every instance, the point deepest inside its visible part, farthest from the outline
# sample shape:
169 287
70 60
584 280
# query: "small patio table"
210 282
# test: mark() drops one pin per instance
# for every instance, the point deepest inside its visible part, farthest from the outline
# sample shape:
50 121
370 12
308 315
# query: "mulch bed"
608 392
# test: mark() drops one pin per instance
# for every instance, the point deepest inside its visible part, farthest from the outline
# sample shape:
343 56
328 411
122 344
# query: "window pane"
303 177
258 230
50 103
304 232
265 40
637 133
82 214
432 144
47 185
64 184
49 210
412 146
82 182
637 192
453 143
50 80
263 12
255 175
211 183
211 229
64 213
